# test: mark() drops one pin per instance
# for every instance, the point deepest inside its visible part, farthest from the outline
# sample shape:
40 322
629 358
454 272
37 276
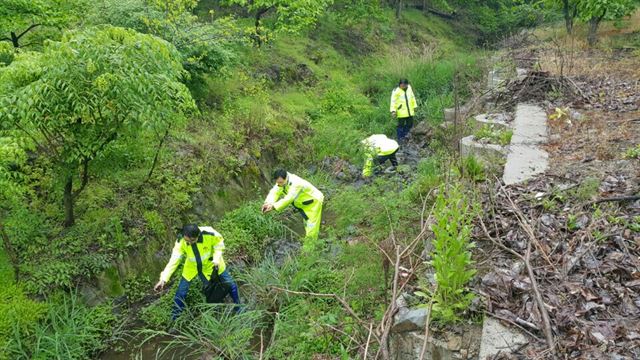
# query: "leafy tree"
570 11
289 15
595 11
83 93
20 18
204 45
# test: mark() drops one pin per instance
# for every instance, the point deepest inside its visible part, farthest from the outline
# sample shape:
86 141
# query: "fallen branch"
611 199
426 329
534 285
514 324
387 319
366 349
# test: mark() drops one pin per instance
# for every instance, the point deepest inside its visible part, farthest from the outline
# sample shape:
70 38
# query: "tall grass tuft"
68 330
451 256
211 331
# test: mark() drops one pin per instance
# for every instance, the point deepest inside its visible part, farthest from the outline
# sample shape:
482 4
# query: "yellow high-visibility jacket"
297 190
377 145
403 102
210 246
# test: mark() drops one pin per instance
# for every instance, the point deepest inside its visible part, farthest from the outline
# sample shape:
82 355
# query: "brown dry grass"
564 54
600 136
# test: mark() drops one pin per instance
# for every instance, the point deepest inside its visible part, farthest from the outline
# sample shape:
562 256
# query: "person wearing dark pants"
378 149
403 107
202 248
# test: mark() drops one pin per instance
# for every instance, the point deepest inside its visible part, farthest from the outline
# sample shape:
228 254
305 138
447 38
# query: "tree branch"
28 29
85 178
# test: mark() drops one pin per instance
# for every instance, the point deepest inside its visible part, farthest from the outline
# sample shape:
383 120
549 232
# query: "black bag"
216 289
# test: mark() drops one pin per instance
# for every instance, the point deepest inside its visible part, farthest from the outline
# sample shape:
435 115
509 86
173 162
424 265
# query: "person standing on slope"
403 107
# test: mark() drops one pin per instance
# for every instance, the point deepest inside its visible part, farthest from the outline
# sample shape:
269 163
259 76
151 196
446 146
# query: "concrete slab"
497 338
495 120
489 152
526 158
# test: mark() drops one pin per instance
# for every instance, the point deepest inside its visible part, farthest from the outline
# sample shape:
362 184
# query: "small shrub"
68 330
587 190
452 254
494 135
247 230
207 328
473 169
632 152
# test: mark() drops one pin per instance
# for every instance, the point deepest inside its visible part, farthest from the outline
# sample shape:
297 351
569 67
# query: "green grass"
67 330
494 135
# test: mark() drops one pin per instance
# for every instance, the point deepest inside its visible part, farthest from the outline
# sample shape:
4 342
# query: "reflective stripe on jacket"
296 190
209 248
403 102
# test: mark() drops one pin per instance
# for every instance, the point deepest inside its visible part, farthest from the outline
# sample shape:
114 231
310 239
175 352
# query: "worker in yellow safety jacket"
378 149
403 107
292 189
202 248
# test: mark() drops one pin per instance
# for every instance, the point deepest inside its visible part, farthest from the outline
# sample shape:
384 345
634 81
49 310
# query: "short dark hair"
280 173
191 231
403 82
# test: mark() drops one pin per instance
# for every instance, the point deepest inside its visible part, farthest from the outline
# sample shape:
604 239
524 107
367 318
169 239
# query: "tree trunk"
398 8
69 219
155 158
568 18
13 257
592 38
258 39
14 40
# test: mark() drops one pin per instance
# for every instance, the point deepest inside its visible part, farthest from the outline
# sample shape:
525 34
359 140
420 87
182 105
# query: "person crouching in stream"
378 149
202 248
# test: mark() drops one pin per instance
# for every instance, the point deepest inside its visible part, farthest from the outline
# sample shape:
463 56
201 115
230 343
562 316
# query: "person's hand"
393 114
267 207
160 285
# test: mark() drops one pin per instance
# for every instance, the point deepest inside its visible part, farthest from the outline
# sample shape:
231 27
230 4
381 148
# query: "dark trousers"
391 157
183 289
404 126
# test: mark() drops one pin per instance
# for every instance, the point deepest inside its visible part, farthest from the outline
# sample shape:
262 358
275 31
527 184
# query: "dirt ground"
577 225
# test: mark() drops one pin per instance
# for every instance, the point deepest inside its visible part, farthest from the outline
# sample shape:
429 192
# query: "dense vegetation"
120 120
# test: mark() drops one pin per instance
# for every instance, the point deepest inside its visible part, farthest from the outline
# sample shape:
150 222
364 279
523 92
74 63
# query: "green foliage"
304 325
247 230
69 330
605 9
290 16
495 19
93 87
213 330
429 176
595 11
7 53
157 315
205 46
632 152
19 315
22 20
452 254
587 190
494 135
12 158
472 168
